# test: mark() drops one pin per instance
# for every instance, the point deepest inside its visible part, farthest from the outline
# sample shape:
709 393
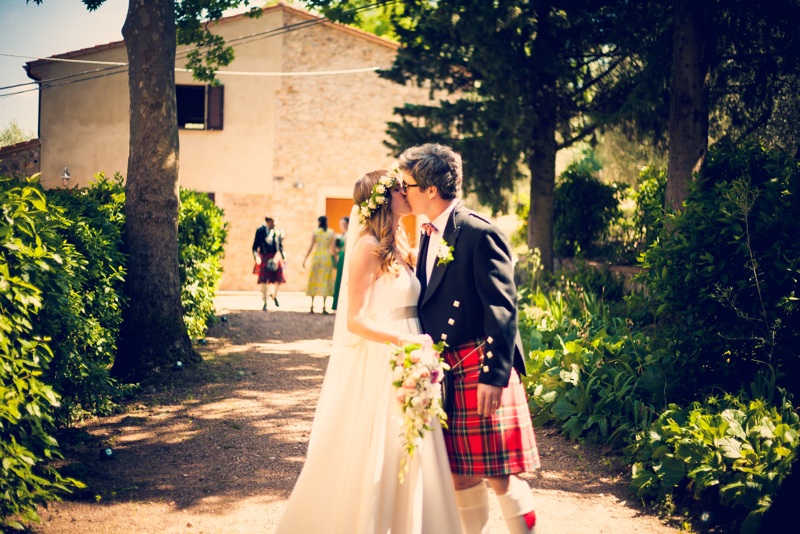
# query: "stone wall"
20 160
329 130
291 146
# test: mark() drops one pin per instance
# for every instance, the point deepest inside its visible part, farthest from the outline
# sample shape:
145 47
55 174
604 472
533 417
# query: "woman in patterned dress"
321 278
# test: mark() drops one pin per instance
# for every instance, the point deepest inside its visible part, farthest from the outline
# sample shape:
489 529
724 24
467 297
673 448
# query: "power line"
237 41
65 60
219 73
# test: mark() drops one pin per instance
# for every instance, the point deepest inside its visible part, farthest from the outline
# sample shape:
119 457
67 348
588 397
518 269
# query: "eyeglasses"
404 186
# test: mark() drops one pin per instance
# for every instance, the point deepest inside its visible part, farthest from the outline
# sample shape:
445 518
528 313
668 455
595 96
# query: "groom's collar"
440 222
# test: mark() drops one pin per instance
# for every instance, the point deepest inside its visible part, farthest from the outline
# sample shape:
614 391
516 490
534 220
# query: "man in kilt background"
468 300
270 260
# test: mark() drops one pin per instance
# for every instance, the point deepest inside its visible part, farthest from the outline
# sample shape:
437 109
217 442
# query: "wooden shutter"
216 102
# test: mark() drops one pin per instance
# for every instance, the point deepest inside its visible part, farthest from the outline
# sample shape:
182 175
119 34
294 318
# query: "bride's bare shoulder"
365 251
367 242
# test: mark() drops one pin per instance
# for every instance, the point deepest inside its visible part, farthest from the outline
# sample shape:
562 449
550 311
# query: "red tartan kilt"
502 444
266 276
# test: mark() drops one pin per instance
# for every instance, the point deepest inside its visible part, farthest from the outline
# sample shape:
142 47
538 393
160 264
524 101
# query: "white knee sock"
517 507
473 508
264 291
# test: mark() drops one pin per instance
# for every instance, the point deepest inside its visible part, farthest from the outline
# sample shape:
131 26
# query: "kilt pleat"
265 276
502 444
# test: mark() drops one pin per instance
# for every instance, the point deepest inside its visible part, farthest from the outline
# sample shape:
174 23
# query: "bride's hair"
392 241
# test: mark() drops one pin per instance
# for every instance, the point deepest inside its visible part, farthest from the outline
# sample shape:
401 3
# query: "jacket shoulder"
475 220
480 218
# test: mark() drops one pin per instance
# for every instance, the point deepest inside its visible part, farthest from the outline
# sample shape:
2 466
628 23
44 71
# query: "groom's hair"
433 164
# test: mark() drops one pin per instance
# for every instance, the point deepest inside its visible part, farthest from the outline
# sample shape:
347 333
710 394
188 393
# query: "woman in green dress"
339 247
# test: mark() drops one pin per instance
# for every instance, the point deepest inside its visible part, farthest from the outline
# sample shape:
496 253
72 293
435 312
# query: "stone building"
298 117
20 159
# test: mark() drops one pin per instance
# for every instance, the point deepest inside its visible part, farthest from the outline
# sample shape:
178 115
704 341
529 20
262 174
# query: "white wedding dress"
349 483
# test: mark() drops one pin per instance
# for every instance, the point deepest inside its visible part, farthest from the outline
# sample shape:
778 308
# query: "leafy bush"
32 255
649 198
588 373
584 208
202 232
720 454
82 311
722 279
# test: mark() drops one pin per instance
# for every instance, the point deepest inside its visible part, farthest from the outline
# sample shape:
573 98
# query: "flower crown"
378 196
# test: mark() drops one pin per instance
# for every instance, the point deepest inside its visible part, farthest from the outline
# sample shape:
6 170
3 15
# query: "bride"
349 483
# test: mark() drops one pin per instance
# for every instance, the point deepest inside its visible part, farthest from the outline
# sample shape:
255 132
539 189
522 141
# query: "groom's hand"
488 399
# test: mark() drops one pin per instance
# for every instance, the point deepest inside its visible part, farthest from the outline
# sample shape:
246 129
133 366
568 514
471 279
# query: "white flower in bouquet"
418 372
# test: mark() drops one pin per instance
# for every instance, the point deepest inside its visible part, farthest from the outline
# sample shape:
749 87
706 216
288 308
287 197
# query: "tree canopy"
523 78
13 134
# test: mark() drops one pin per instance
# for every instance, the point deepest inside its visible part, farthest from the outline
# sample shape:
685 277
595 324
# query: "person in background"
321 278
270 260
338 253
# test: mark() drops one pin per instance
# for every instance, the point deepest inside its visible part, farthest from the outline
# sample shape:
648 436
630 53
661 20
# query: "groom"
468 300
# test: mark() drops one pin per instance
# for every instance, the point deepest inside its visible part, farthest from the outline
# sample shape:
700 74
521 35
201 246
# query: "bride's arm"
364 266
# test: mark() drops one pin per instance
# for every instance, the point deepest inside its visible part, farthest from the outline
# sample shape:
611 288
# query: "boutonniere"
444 252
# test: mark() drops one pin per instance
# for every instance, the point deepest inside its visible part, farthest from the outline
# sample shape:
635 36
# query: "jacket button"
451 322
456 304
485 368
489 339
444 336
489 354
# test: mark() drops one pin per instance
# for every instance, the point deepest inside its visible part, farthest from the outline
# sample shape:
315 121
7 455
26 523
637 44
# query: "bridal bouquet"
418 375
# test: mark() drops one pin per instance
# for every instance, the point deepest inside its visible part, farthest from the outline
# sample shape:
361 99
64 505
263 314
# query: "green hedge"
33 256
202 233
61 279
584 209
83 306
695 375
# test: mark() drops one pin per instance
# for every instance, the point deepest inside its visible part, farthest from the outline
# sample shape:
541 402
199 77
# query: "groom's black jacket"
473 296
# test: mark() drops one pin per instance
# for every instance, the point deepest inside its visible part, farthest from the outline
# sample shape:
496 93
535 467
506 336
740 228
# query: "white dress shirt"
436 238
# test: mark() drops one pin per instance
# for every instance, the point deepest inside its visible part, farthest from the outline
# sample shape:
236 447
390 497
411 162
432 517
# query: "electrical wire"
237 41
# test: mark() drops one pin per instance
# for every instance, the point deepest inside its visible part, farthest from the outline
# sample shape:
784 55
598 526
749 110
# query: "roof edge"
279 6
22 145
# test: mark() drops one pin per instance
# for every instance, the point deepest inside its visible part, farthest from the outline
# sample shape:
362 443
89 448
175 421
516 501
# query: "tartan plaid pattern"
503 444
265 276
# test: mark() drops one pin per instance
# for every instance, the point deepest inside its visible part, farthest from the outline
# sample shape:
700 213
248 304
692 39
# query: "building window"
199 106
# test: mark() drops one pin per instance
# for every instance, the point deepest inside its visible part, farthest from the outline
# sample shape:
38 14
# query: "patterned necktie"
429 229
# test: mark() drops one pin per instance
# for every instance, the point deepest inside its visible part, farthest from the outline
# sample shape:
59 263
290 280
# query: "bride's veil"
341 336
342 365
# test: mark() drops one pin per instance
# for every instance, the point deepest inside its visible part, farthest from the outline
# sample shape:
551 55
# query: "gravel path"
217 449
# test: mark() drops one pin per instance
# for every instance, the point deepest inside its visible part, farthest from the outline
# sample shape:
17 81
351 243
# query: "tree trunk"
540 220
542 164
153 332
688 110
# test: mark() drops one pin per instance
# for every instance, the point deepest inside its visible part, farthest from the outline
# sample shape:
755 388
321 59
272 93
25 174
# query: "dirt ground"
217 448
